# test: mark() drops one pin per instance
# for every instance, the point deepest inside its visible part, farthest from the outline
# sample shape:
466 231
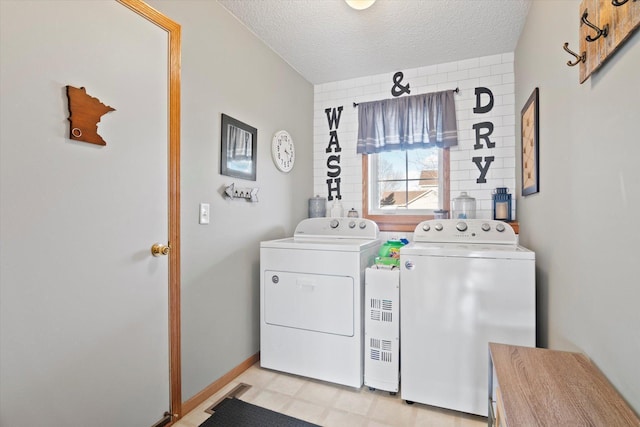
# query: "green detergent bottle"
389 253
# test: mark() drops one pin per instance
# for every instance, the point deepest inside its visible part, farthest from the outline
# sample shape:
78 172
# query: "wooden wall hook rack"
613 21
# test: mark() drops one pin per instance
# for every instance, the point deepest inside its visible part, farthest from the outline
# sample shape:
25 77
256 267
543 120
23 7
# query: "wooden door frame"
174 31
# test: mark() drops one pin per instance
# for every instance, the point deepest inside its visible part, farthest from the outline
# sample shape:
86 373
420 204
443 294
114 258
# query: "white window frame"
403 219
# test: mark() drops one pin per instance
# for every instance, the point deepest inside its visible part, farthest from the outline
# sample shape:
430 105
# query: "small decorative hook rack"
579 58
249 194
604 32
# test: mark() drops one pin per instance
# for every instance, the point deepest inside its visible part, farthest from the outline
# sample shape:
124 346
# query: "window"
405 146
402 188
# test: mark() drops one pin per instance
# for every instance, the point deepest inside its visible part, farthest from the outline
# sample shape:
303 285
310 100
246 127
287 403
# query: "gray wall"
225 69
582 224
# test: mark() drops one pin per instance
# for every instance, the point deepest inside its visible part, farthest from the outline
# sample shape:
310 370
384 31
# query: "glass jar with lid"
464 206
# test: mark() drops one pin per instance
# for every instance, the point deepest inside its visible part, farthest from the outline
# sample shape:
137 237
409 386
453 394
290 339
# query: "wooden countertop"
541 387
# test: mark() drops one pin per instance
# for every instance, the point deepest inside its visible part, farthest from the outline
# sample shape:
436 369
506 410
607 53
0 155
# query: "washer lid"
466 250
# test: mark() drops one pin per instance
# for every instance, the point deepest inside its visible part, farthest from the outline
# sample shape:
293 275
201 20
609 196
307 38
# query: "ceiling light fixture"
360 4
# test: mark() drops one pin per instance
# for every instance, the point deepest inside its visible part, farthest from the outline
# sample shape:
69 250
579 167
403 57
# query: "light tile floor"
330 405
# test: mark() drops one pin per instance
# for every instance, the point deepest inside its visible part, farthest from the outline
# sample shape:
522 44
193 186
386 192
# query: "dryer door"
313 302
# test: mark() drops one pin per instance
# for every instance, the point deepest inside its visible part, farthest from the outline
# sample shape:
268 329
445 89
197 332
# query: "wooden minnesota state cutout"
85 112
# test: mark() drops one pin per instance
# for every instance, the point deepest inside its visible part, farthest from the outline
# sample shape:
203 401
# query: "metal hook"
599 32
618 3
579 58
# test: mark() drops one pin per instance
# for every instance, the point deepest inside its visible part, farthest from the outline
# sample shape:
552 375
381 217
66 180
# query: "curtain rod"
456 90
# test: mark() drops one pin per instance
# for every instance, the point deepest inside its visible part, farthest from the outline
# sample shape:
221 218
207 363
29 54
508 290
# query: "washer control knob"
438 227
409 265
352 224
500 227
461 226
275 279
425 227
334 223
363 225
486 227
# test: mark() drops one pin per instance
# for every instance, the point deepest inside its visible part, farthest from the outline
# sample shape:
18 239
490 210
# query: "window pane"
405 181
423 177
391 179
392 165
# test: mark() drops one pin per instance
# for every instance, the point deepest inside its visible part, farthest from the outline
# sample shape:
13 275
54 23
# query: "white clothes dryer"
463 284
311 299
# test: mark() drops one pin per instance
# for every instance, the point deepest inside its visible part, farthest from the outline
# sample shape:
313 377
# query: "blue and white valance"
418 121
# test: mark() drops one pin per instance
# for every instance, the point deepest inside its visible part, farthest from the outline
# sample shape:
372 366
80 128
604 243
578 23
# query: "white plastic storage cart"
382 329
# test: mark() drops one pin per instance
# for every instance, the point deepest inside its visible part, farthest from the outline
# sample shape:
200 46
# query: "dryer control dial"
363 225
425 227
461 226
500 227
438 227
486 227
352 224
334 223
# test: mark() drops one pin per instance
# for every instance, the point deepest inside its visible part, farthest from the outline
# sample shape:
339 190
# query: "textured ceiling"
326 40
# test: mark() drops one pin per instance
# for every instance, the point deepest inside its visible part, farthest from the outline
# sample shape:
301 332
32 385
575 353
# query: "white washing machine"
311 299
463 284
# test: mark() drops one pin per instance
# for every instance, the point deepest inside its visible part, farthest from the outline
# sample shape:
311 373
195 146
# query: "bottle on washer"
336 209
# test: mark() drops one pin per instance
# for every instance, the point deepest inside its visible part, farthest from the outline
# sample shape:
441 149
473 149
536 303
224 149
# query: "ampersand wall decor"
398 89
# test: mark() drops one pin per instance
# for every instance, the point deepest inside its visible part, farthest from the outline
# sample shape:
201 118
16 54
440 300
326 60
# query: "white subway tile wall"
494 72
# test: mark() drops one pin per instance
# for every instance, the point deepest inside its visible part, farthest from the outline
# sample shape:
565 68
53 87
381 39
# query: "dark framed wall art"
238 149
530 145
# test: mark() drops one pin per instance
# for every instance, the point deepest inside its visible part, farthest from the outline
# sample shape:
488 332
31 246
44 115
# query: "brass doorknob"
159 250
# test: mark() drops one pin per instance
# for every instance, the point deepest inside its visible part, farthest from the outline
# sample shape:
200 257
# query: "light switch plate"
204 213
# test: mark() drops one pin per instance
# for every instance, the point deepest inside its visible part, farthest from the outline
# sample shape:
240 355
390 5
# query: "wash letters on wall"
333 161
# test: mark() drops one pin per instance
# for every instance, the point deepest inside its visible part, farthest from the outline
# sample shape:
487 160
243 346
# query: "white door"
84 305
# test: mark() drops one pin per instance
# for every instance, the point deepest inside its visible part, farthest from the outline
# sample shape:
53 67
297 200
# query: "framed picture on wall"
530 146
238 149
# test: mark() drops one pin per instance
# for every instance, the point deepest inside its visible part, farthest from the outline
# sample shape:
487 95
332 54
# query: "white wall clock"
283 151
